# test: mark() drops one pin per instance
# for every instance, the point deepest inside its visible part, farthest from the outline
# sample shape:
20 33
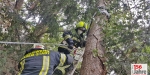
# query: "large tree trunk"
93 58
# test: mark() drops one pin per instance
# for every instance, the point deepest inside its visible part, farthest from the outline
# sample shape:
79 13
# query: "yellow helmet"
82 24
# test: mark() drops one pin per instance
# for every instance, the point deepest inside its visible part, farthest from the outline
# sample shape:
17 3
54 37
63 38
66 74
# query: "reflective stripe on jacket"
40 62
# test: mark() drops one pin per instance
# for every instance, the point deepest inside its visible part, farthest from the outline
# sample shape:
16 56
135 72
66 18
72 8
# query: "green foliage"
53 41
125 37
144 57
95 52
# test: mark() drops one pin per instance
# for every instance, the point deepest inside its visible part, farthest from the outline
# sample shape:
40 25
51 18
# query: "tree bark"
18 4
94 64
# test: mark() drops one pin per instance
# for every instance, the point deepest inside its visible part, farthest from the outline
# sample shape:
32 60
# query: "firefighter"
75 38
39 61
80 36
72 40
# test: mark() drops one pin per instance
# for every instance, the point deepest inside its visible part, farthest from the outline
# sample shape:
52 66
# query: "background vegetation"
127 34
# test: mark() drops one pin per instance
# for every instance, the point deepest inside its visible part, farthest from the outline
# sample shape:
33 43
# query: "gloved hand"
70 43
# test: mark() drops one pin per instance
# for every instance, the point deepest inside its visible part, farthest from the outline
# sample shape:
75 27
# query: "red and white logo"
138 69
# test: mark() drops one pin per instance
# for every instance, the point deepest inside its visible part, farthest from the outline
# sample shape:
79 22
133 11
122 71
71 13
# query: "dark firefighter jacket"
41 62
72 39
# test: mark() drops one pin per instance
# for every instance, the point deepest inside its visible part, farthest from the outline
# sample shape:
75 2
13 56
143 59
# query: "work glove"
70 43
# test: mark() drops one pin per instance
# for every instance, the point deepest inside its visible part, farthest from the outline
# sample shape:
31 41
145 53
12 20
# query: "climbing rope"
4 42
